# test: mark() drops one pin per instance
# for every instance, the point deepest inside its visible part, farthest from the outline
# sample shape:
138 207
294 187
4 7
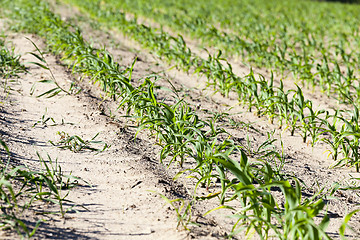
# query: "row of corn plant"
183 136
288 106
22 188
307 52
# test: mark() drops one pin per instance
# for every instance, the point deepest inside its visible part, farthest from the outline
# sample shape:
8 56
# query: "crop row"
338 130
279 38
183 136
21 188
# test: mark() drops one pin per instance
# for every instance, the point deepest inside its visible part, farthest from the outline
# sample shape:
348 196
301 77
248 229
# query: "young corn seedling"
43 64
31 186
77 144
315 125
56 181
253 214
267 95
345 224
351 136
301 105
10 66
299 216
44 120
182 209
282 105
331 128
57 176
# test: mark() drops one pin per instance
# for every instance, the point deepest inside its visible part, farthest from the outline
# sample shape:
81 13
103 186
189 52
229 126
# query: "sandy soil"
118 203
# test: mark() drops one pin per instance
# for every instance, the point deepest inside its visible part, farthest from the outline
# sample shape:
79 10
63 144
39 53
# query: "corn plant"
345 223
301 105
56 181
351 135
184 136
10 66
183 212
331 128
43 64
77 144
220 76
22 183
44 120
314 124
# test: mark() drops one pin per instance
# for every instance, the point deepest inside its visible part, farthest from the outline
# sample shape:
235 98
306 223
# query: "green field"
291 50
